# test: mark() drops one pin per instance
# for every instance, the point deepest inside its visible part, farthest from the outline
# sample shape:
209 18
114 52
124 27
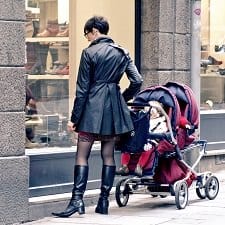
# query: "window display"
212 54
47 69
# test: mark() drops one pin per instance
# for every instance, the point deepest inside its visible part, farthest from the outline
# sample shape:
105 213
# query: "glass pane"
47 68
212 54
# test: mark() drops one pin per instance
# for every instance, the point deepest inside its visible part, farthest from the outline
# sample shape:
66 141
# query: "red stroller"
167 172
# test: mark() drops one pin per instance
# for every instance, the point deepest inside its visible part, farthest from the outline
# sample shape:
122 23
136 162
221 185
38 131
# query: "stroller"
167 173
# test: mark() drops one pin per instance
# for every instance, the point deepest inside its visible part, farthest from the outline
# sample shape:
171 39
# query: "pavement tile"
143 209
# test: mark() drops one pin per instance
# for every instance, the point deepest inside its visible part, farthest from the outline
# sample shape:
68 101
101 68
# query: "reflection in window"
47 69
212 54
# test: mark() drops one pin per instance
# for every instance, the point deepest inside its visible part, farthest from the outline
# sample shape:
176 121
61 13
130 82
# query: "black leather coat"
99 106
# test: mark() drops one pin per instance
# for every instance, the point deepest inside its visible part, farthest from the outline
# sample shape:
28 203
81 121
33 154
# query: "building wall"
14 167
166 41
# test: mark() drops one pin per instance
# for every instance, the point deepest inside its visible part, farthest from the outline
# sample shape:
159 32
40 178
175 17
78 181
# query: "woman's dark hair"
98 22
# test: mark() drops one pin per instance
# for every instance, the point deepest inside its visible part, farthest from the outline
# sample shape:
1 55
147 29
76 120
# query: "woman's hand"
70 126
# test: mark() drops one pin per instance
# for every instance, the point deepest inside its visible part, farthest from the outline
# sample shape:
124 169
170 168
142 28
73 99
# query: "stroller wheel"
200 191
122 193
212 187
181 194
200 185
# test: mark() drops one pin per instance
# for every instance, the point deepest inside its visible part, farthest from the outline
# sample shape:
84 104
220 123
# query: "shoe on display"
59 68
63 71
204 47
210 61
213 61
63 30
51 30
219 49
47 33
64 33
221 71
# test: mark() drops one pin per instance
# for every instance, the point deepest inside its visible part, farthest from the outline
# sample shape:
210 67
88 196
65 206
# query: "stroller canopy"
165 97
186 99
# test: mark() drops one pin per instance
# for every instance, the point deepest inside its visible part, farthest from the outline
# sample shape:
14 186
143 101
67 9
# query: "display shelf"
66 47
47 0
33 10
48 77
47 39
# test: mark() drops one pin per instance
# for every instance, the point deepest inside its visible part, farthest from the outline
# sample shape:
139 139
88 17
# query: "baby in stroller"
157 125
135 162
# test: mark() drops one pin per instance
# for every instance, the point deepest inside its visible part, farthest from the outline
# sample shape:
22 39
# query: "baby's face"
154 113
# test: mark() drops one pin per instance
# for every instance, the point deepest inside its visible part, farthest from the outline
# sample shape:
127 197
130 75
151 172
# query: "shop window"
54 41
212 54
47 69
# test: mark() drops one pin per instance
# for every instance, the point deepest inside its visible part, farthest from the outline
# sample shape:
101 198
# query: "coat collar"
104 39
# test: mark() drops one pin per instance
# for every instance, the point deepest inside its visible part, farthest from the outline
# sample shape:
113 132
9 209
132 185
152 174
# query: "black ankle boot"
73 207
76 203
108 174
102 206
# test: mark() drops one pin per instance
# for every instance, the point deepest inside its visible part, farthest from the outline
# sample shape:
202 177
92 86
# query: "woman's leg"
83 151
76 203
108 174
107 152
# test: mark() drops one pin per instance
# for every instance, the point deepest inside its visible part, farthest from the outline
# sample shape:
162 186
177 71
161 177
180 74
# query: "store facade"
159 36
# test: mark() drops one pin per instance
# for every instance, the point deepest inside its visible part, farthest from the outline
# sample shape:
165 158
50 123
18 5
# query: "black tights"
84 150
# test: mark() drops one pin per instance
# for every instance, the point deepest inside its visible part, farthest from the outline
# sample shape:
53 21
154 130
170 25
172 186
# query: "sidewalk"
142 209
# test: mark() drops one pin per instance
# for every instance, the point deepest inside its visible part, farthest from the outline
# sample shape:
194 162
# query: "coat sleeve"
135 79
82 88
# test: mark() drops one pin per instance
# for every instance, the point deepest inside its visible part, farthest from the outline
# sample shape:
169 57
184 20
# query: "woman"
100 111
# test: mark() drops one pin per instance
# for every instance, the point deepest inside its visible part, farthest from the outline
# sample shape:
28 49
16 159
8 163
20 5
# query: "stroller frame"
206 184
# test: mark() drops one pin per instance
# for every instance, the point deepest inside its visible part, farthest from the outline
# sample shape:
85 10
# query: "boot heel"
102 206
81 210
102 211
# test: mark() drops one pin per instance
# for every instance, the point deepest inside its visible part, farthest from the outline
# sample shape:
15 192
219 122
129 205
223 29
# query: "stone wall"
14 165
166 41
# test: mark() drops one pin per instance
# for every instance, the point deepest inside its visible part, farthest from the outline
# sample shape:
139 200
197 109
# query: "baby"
157 124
